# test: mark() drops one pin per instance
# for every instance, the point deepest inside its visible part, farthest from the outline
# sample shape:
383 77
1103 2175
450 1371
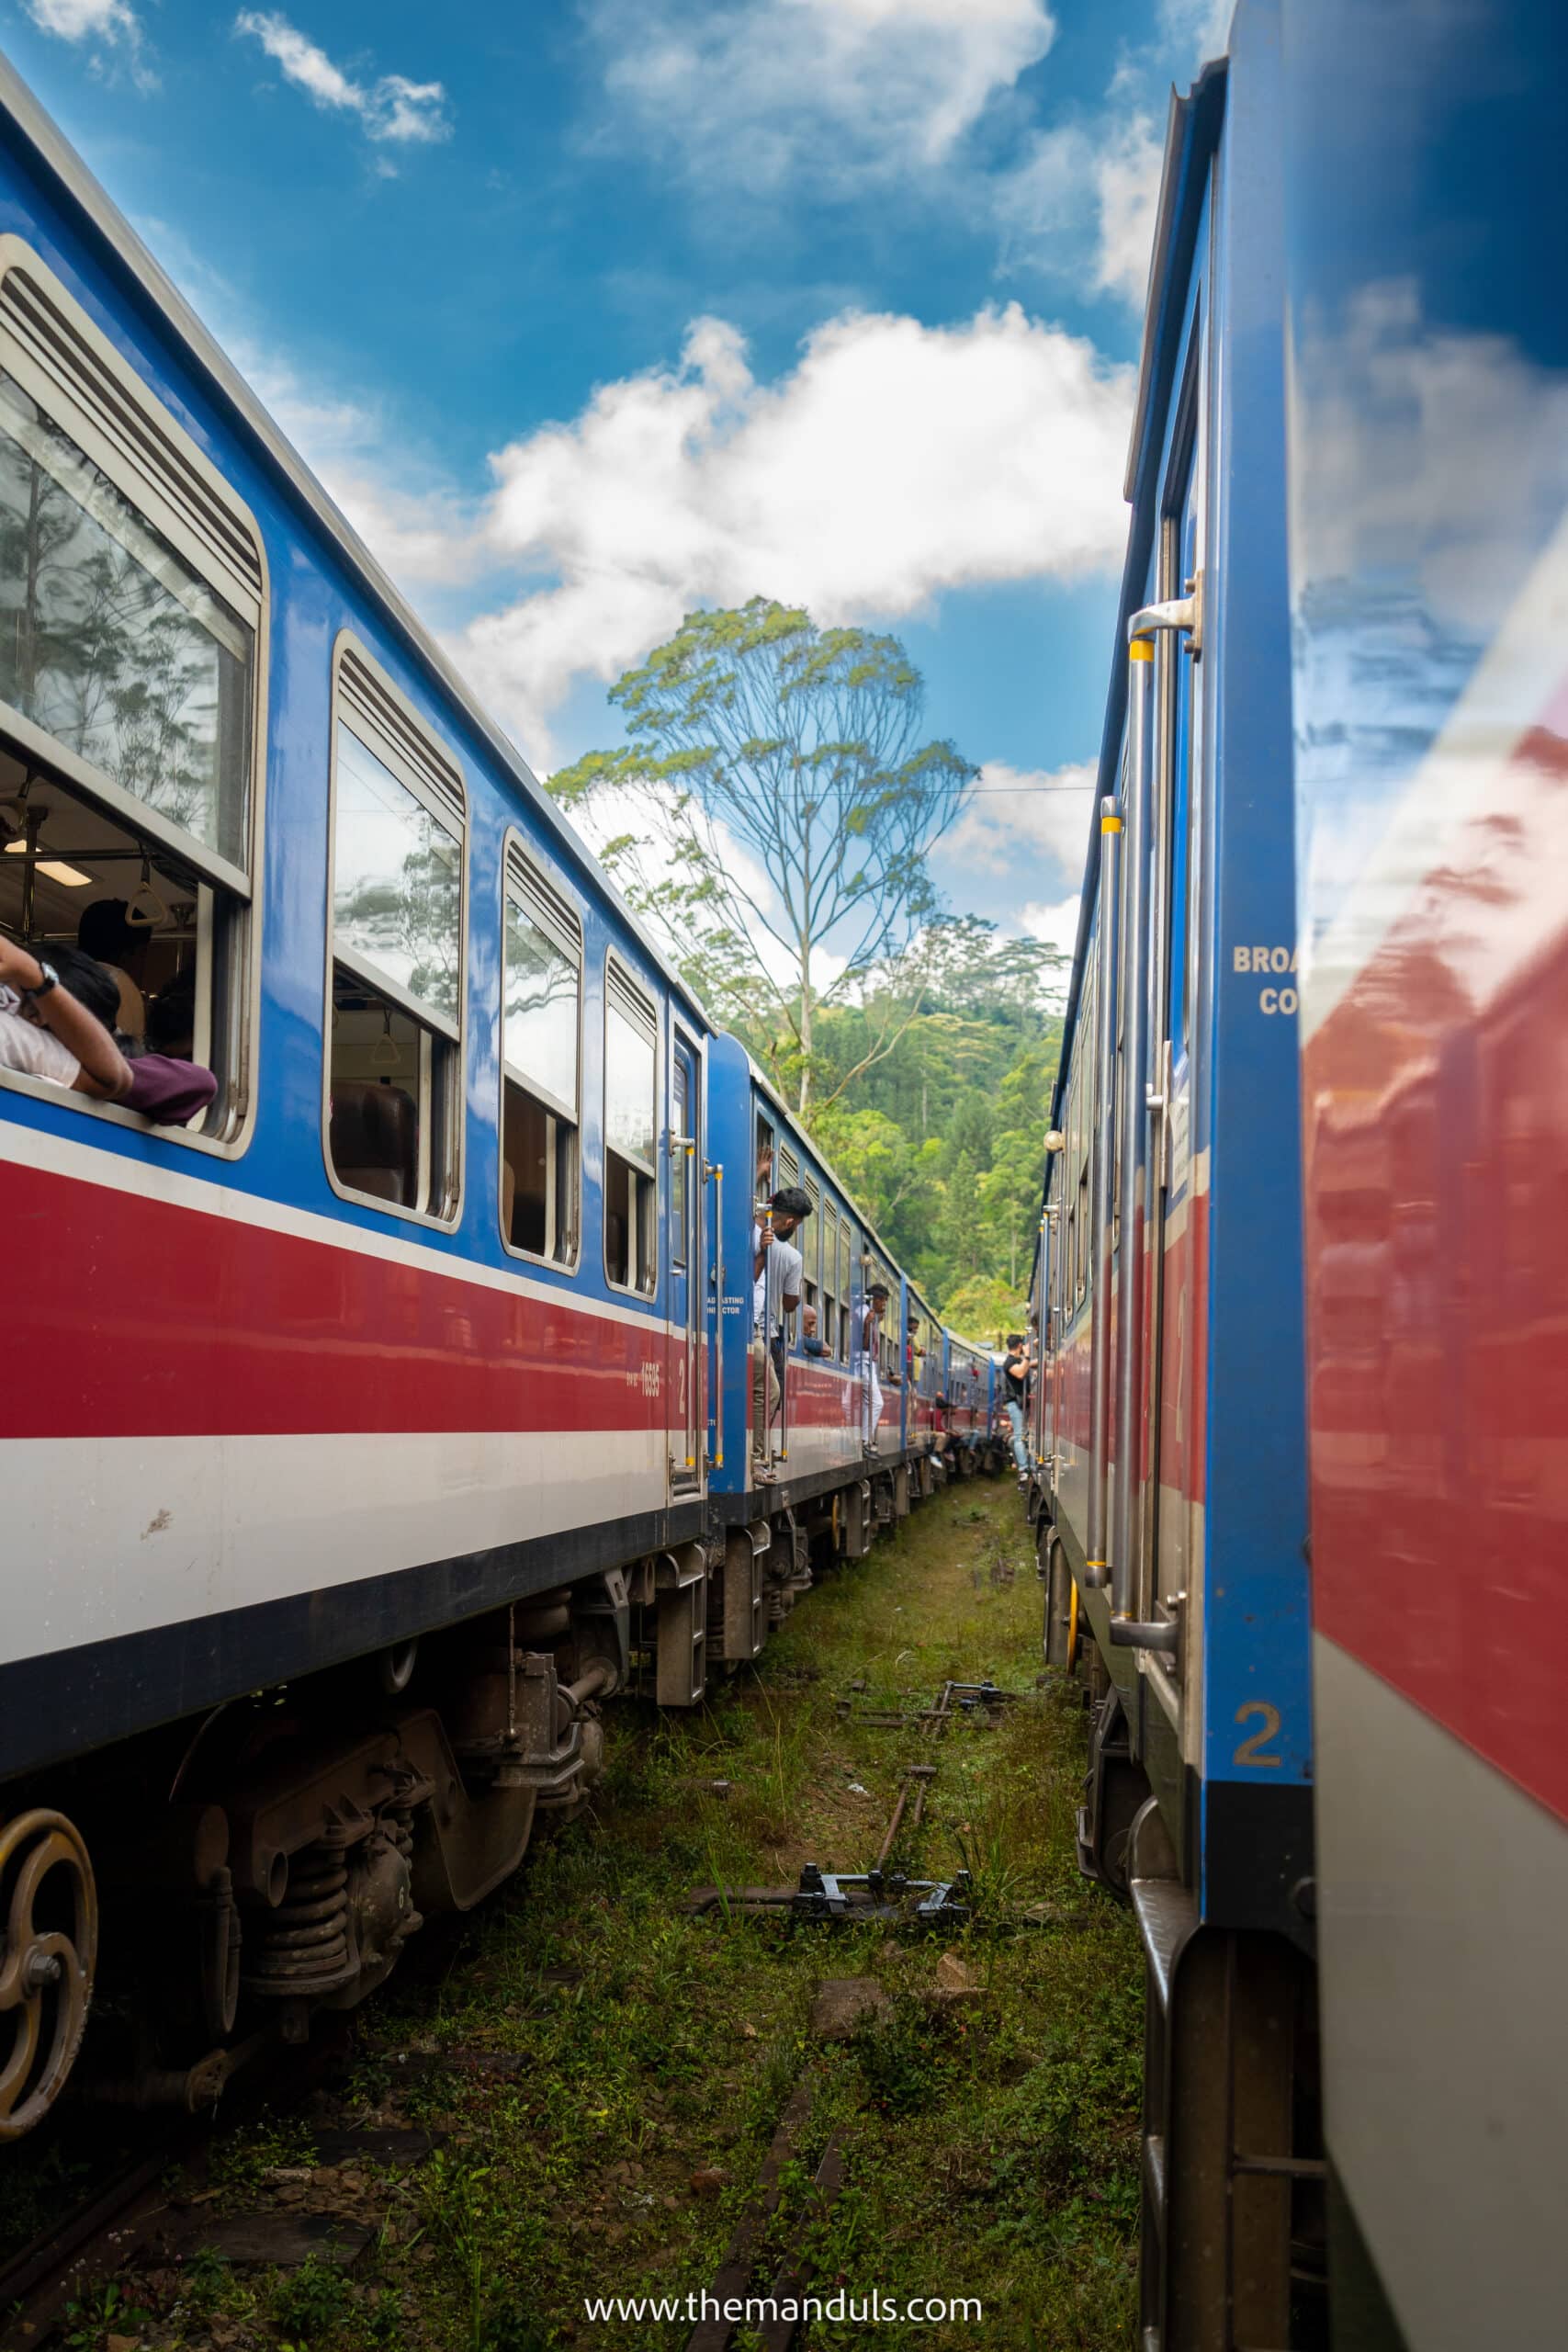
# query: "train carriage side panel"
313 1424
1429 584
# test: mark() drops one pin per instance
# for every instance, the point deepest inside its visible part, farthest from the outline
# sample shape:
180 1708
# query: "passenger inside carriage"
810 1343
172 951
107 933
42 1032
57 1016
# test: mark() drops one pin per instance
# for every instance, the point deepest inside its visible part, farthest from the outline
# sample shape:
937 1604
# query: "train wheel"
49 1906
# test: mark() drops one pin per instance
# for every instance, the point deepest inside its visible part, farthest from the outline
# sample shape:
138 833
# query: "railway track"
585 2084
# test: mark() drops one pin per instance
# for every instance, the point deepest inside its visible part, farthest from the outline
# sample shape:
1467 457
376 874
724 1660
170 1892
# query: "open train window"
395 951
846 1289
766 1183
133 615
541 1024
631 1131
827 1322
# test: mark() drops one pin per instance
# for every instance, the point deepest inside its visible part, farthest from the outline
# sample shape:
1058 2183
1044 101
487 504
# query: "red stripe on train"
132 1317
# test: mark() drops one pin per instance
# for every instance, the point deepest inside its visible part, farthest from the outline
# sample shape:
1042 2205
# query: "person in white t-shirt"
777 1274
870 1349
57 1017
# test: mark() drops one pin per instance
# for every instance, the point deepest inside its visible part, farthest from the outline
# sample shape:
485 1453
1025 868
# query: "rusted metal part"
834 1897
793 2281
979 1702
36 2285
917 1779
192 2087
96 2239
732 2280
47 1952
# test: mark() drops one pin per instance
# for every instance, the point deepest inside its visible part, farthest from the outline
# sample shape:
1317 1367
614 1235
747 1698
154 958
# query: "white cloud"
1013 816
1196 29
107 23
1126 184
390 109
896 461
1056 924
1086 189
82 19
753 94
1093 186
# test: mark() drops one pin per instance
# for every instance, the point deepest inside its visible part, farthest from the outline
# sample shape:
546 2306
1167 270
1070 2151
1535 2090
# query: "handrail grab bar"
1097 1563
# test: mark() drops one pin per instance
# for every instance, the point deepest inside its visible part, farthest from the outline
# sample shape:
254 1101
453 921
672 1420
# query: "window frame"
812 1259
253 602
634 980
515 838
432 1026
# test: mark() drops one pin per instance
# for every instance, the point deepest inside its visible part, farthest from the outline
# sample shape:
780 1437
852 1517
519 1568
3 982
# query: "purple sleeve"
168 1091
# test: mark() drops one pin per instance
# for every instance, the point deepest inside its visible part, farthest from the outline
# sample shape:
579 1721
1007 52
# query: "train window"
541 1016
846 1288
766 1183
827 1318
132 615
394 1094
631 1129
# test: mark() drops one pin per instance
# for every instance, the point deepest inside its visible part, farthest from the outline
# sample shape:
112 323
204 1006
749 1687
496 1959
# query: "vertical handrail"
1097 1560
783 1455
1176 613
716 1169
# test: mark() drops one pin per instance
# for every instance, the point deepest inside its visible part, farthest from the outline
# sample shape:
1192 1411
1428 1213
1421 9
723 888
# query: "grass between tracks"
991 2143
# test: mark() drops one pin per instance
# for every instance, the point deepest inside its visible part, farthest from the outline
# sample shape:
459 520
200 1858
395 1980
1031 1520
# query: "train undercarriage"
1233 2225
210 1887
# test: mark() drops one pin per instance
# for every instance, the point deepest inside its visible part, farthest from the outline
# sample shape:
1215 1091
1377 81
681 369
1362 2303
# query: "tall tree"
779 770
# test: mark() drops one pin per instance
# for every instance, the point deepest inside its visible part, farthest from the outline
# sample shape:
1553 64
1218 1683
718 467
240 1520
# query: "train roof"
59 160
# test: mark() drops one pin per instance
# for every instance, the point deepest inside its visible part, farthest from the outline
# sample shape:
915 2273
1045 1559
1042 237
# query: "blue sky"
630 305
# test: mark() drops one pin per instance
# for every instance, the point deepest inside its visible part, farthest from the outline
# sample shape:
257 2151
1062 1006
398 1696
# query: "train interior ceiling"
59 853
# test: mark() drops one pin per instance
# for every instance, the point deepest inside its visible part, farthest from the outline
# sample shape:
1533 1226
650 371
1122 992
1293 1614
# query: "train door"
1176 1208
687 1261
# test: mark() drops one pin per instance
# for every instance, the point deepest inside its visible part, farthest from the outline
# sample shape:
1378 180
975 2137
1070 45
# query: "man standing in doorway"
871 1347
777 1270
1016 1367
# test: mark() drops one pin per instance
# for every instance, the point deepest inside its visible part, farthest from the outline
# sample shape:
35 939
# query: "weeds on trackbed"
992 2145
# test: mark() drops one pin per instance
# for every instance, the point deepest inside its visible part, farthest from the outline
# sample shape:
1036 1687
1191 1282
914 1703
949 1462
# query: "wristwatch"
48 980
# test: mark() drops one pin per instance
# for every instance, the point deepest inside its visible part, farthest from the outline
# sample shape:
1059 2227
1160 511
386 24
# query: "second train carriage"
970 1377
1169 1411
384 1421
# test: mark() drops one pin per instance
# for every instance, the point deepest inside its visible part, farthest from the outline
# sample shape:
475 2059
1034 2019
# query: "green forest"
773 816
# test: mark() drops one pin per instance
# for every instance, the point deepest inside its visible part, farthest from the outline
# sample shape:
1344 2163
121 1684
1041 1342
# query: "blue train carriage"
808 1455
968 1386
382 1380
1174 1414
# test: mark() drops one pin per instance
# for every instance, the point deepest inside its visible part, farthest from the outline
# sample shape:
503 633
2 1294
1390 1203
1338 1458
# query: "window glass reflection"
396 881
111 643
540 1009
628 1089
